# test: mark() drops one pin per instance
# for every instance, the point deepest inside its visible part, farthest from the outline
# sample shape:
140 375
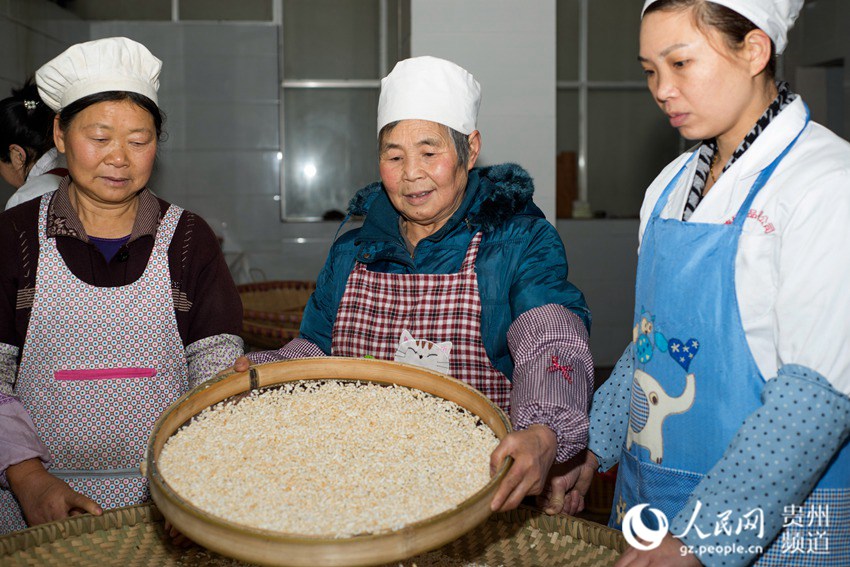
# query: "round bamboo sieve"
276 548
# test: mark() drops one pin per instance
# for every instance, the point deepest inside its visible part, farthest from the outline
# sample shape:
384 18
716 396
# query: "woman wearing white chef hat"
113 303
736 383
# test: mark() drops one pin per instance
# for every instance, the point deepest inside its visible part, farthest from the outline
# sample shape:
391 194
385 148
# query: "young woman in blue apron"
736 383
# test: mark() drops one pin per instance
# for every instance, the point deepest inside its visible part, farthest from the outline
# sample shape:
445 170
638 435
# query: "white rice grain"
331 458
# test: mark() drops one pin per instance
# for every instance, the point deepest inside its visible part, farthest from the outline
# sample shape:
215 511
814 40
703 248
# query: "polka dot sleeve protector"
609 414
774 461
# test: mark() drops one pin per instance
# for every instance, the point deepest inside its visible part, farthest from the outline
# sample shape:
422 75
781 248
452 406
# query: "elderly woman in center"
455 268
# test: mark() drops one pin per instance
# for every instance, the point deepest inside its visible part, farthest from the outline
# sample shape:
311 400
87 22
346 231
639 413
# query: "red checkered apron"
377 307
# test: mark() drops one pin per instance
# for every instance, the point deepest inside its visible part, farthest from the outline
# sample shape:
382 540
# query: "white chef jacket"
39 181
792 270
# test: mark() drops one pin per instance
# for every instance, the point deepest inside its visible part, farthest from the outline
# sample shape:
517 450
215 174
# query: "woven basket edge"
73 527
579 528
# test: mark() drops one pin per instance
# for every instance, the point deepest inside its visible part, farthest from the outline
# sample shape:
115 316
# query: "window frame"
584 86
331 84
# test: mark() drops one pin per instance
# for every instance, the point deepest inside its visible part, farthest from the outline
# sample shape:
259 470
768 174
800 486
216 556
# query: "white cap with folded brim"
773 17
429 88
110 64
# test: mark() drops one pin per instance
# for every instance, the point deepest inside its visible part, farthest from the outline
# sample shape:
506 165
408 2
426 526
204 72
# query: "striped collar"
62 219
783 99
709 147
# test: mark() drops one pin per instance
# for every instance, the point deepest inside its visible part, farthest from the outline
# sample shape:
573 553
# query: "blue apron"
695 380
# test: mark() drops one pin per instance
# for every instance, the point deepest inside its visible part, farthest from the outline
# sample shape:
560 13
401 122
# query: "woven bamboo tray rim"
277 284
134 535
268 329
275 301
293 316
265 335
276 296
266 546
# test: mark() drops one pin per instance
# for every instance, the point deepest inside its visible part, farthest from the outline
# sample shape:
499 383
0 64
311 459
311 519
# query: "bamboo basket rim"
269 285
155 477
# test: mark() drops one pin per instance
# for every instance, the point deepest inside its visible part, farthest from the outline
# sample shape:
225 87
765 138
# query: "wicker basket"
272 311
277 548
600 497
134 536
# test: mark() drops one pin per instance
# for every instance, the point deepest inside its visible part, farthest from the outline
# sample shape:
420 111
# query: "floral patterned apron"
99 365
377 307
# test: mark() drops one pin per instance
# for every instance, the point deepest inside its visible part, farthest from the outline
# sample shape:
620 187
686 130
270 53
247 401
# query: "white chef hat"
109 64
429 88
773 17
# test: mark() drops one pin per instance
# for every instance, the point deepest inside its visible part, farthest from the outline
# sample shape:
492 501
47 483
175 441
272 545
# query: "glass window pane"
567 135
613 32
629 142
331 39
567 40
122 9
253 10
330 150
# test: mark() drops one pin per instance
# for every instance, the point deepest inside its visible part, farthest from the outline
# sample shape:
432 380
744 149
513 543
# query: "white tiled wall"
32 32
509 47
219 89
602 257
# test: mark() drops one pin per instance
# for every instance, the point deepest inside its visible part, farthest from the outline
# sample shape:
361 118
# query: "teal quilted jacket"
521 262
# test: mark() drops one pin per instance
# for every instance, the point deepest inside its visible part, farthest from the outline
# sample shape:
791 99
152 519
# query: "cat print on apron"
377 308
